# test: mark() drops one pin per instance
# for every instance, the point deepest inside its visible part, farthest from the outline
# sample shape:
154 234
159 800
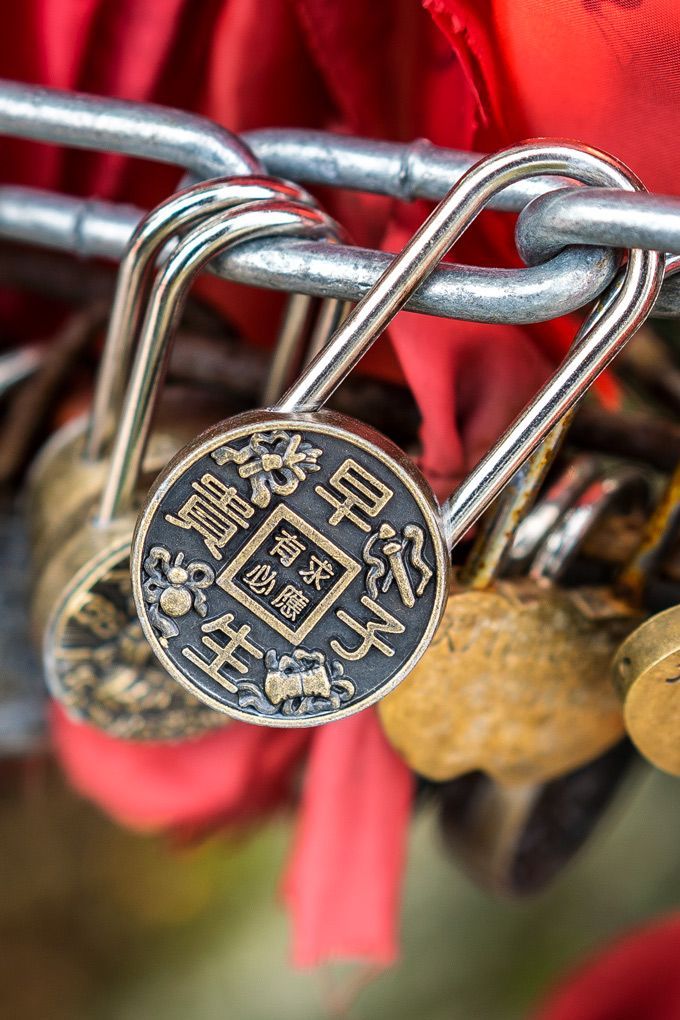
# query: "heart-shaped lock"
330 585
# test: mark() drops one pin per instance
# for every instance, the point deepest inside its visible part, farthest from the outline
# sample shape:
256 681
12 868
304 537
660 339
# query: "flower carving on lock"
275 463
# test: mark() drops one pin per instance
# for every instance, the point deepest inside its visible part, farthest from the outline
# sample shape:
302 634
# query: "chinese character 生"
224 655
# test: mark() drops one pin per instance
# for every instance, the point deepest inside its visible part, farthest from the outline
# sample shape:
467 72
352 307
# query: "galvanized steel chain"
555 217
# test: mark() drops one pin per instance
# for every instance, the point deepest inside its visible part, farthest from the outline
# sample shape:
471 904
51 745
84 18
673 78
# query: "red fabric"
349 848
467 74
636 979
232 774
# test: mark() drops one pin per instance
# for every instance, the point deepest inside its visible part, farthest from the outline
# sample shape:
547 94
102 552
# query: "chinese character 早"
215 511
361 491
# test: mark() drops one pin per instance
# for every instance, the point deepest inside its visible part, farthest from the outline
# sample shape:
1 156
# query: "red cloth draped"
467 74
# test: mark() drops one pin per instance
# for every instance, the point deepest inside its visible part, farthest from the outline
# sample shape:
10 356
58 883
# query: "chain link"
553 214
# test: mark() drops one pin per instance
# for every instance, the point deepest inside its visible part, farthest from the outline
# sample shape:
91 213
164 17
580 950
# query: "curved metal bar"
417 169
409 170
167 220
96 229
171 286
144 130
433 240
557 216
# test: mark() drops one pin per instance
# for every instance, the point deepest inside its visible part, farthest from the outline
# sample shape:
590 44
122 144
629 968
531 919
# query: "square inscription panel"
288 574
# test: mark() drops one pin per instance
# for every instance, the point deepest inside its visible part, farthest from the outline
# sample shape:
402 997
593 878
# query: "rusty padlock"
96 660
515 684
341 548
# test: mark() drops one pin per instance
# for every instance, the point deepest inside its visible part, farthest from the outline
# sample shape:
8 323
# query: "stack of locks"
290 565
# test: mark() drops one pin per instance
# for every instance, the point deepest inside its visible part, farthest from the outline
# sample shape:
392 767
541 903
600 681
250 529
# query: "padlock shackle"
535 527
179 211
494 542
563 541
524 484
443 227
592 352
168 294
585 361
330 316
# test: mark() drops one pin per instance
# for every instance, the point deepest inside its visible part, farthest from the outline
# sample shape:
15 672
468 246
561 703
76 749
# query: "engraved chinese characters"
322 567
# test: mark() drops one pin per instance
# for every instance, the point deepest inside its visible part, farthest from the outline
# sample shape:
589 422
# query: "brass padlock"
330 586
96 660
646 668
515 684
647 675
515 840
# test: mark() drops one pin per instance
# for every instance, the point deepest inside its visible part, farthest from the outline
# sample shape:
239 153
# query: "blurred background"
101 924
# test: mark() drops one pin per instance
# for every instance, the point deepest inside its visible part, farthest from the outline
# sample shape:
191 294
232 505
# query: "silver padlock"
331 583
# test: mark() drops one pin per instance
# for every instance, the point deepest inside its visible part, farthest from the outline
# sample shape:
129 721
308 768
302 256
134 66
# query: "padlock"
70 470
531 531
646 667
514 840
96 660
516 682
341 550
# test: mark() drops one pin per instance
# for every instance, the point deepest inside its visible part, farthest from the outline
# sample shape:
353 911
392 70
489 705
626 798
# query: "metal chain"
552 213
95 229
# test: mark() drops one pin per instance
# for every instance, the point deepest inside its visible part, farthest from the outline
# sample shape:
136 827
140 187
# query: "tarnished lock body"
516 683
288 512
646 669
97 663
63 483
515 840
